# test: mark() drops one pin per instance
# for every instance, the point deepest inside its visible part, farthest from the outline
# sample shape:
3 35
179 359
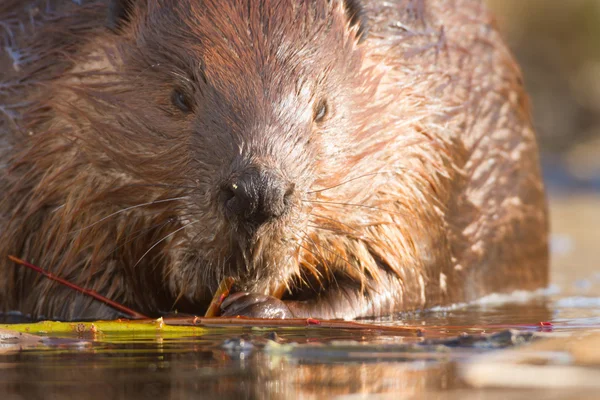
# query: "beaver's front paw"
254 305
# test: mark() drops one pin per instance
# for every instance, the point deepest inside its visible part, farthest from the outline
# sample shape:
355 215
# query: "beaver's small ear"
119 13
358 17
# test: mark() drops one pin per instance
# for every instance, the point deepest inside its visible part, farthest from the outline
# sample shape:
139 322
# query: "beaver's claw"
254 305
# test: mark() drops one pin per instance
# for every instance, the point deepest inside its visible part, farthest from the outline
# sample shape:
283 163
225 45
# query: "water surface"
449 361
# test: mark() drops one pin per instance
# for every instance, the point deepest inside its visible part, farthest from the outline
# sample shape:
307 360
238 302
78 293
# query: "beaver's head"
261 100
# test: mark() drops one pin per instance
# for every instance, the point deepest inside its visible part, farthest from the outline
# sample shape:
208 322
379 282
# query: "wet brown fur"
421 188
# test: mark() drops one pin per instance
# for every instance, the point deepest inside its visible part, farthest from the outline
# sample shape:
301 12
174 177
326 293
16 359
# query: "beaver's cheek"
255 305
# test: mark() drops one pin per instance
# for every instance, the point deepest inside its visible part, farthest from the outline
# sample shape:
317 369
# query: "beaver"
358 157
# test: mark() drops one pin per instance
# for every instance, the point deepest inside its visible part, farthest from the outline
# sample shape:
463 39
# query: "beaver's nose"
256 197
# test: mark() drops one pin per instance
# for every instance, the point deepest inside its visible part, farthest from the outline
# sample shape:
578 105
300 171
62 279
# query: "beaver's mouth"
259 253
254 261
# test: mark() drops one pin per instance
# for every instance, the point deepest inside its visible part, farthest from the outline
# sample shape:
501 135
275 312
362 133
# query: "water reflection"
259 364
172 370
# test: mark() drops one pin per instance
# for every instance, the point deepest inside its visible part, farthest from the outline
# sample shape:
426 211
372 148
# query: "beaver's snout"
255 197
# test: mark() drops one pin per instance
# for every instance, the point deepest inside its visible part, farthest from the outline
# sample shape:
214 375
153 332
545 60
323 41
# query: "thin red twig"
91 293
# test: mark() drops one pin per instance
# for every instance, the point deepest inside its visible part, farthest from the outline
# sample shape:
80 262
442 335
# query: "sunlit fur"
420 187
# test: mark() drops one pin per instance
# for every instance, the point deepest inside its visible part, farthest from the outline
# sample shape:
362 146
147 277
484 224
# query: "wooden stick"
244 322
214 309
91 293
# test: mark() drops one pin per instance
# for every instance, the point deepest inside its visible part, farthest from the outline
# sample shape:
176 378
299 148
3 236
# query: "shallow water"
450 360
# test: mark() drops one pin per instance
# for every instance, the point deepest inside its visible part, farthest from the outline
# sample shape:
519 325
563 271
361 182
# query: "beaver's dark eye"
181 101
321 111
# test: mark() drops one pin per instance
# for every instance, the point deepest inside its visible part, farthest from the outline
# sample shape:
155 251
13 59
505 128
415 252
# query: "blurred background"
557 44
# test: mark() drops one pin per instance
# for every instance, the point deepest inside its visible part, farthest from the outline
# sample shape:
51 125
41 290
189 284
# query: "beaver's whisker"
161 240
305 236
289 258
326 248
323 262
182 77
206 268
141 232
151 66
355 233
336 203
179 296
352 180
323 228
160 185
317 217
186 282
312 269
374 208
129 209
